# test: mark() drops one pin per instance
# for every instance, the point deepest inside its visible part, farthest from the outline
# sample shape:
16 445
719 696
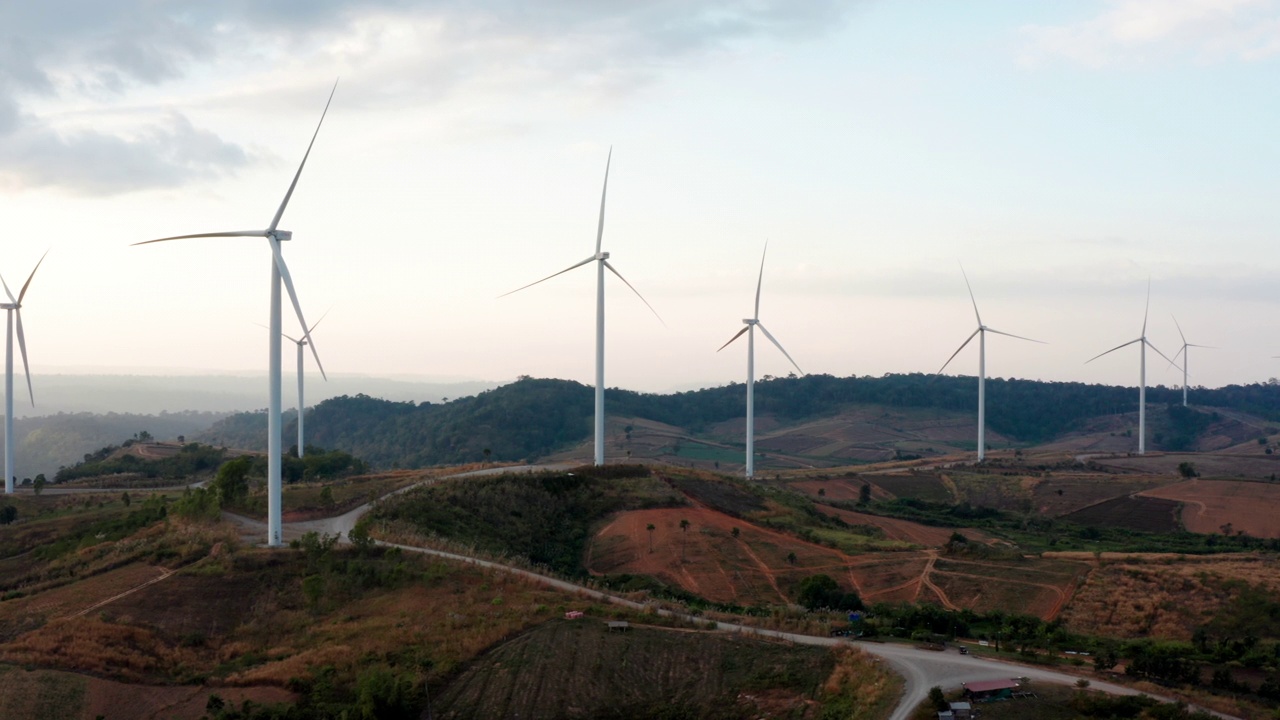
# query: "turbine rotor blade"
957 352
12 299
604 192
1001 332
23 293
1175 324
1206 347
284 203
1146 311
231 233
22 346
760 280
297 306
571 267
774 340
637 292
1153 347
1175 357
735 337
322 317
971 298
1095 357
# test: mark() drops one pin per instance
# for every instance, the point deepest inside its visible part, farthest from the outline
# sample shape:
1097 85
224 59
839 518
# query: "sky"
1064 154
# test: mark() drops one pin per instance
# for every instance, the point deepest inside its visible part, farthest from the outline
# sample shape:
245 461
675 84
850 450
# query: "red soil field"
841 489
904 530
1210 504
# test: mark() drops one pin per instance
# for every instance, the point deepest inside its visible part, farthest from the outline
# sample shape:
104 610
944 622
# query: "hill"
47 443
810 421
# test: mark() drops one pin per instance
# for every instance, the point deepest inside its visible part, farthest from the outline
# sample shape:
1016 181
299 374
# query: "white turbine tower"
1143 344
1185 358
303 342
601 259
752 323
279 274
981 334
14 308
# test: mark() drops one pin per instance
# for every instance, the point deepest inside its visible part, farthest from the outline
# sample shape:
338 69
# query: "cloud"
88 53
1141 31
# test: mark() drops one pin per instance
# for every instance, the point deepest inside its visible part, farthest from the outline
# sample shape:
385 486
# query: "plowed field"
1249 507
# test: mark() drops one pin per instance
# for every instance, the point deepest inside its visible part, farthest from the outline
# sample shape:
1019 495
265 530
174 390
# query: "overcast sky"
1064 152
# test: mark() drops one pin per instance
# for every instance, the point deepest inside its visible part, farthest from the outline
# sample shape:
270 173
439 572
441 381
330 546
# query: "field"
929 536
1137 512
1210 465
1062 493
1164 596
578 668
1222 506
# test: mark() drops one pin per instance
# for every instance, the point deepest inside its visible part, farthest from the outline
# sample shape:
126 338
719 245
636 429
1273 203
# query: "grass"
1057 702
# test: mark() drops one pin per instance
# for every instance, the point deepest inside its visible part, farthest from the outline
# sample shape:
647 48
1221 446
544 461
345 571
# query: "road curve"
920 669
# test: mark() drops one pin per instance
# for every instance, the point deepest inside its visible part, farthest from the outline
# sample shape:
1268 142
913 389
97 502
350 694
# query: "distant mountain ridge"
533 418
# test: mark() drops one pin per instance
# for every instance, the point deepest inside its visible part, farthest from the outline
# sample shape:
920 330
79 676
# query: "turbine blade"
971 298
1001 332
735 337
571 267
322 317
760 280
1206 347
957 352
23 293
1095 357
284 203
1153 347
1146 311
1175 324
22 346
12 299
1175 357
293 297
637 292
604 192
774 340
231 233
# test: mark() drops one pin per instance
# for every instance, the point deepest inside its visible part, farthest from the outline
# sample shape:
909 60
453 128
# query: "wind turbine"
279 273
1183 352
1143 344
601 259
751 324
14 308
302 406
981 334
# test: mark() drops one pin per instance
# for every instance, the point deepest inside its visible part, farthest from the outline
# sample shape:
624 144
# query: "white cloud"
1142 31
96 55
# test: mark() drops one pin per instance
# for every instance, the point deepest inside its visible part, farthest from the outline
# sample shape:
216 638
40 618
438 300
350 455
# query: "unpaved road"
920 669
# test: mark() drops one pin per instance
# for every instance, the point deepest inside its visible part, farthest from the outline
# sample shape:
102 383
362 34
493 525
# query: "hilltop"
810 421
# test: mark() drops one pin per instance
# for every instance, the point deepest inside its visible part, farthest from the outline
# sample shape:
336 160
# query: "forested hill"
534 417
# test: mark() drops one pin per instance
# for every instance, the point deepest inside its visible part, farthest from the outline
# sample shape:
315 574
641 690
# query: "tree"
1187 470
126 499
938 699
232 482
684 533
735 532
650 527
144 436
38 486
864 494
8 514
791 558
326 497
821 591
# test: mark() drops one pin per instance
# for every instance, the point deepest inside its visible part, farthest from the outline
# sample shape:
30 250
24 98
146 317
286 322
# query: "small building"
619 625
989 689
573 615
961 711
946 715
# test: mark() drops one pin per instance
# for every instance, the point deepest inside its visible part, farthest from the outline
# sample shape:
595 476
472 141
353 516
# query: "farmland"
1225 506
581 669
1137 512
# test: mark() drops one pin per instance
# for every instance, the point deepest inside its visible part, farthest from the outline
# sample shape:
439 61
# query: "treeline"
191 460
531 417
49 442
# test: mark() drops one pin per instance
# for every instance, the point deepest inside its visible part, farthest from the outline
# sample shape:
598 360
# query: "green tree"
38 486
326 497
8 514
650 527
822 592
735 532
1187 470
232 482
126 499
938 699
864 494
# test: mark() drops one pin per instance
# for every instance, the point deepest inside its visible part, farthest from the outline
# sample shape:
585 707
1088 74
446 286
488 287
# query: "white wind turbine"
601 259
303 342
1143 344
14 308
279 274
751 324
981 334
1185 358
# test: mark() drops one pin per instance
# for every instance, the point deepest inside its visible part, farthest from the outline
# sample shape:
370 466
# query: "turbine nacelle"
281 235
602 256
750 321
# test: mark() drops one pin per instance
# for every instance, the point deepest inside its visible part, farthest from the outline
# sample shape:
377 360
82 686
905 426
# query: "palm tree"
650 527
